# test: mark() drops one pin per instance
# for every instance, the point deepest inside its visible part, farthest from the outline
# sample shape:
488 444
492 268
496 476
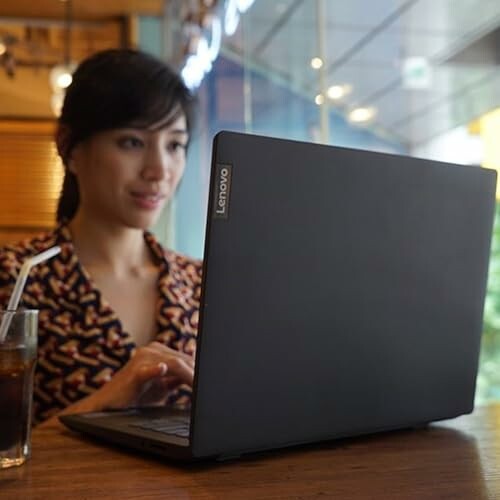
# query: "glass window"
412 77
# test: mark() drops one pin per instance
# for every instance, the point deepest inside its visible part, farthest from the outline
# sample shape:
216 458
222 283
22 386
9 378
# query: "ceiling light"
319 99
64 80
337 92
361 115
316 63
60 76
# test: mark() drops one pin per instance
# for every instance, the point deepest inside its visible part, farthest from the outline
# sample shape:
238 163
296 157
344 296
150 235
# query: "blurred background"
417 77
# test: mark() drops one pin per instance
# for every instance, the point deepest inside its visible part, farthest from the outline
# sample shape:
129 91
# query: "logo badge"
222 190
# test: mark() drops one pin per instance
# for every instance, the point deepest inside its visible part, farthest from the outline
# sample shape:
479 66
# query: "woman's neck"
119 250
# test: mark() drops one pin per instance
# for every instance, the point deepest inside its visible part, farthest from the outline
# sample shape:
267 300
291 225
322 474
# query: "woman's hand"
144 381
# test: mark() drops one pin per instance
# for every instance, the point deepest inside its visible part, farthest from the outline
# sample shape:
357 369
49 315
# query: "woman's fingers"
154 381
178 363
181 369
152 372
148 371
163 349
173 367
155 392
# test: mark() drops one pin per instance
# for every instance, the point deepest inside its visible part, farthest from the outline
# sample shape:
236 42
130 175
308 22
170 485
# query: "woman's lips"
148 201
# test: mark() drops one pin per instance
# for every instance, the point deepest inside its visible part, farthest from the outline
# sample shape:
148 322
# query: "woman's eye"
176 146
130 142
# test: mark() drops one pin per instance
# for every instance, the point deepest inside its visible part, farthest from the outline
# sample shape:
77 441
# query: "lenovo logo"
222 191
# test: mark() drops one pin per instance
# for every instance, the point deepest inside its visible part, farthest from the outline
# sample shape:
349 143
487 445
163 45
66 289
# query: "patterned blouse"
81 342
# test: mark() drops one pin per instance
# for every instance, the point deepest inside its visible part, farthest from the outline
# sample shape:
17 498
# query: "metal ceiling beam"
276 27
370 35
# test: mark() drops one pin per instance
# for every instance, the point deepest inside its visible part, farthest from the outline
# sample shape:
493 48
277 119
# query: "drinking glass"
18 347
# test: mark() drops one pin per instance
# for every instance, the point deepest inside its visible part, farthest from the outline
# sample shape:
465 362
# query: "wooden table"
457 459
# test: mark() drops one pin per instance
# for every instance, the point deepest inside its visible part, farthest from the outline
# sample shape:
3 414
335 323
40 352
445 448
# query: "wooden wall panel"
28 93
30 181
88 9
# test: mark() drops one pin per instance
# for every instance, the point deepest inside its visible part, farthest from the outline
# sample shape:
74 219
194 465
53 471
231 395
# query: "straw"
18 287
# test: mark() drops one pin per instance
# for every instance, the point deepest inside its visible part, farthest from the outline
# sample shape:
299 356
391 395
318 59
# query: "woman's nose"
156 166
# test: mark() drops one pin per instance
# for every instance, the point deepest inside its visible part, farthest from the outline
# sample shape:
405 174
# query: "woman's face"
126 176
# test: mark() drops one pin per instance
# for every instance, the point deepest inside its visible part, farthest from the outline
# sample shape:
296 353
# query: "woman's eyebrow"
178 132
130 129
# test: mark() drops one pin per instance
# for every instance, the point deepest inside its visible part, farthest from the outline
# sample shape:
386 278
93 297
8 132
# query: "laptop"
343 294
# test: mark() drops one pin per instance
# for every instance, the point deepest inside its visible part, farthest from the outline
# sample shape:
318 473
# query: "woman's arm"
144 380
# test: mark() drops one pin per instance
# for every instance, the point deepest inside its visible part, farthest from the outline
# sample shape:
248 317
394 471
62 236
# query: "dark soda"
16 384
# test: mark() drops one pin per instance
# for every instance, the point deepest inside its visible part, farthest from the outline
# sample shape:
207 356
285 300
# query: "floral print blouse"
81 342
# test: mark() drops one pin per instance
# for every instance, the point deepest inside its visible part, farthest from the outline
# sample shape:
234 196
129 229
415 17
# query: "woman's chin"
143 222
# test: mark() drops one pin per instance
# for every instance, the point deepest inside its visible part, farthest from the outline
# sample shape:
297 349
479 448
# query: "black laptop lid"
344 293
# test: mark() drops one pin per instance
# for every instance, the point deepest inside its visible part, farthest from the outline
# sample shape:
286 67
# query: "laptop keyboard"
178 426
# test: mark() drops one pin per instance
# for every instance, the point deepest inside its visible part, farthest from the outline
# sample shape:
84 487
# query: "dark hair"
113 89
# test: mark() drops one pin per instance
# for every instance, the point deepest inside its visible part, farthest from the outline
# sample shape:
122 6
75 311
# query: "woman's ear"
63 143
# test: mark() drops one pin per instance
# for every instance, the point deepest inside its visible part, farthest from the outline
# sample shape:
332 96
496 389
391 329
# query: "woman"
118 313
